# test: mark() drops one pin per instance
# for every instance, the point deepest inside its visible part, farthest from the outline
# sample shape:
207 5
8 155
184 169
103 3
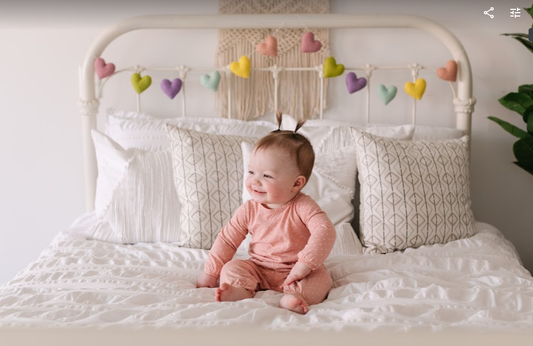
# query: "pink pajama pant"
246 274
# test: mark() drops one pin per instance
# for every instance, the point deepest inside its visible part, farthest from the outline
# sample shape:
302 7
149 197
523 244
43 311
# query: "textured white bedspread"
467 284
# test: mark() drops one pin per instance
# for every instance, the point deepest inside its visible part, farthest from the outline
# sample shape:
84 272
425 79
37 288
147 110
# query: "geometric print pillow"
413 193
208 179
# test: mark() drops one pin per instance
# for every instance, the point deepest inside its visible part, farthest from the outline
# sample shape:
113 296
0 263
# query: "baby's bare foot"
228 293
294 303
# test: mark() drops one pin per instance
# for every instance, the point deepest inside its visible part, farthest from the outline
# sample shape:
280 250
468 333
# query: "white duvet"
476 283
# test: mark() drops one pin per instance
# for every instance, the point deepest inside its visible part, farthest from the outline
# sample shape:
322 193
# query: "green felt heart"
211 80
139 83
331 68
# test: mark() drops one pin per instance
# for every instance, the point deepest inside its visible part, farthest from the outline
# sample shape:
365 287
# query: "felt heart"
211 80
353 83
241 68
171 89
331 68
449 72
309 44
269 48
140 84
387 94
102 69
416 89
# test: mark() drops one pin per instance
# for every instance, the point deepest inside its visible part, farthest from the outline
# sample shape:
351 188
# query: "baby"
291 235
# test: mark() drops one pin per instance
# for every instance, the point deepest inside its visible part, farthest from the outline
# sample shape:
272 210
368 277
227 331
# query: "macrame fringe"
298 91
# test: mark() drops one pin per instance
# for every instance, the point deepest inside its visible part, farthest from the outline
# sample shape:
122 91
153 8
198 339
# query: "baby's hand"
206 280
298 272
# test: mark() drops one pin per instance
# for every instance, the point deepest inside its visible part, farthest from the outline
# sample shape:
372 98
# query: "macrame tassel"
299 91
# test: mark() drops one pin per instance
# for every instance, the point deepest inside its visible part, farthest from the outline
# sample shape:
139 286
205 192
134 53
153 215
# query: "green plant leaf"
530 122
530 171
528 113
523 151
512 129
526 89
517 102
516 34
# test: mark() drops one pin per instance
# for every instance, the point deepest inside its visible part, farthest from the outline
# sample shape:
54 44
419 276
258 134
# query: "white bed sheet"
476 283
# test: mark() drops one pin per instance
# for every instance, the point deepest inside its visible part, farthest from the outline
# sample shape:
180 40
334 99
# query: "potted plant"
522 103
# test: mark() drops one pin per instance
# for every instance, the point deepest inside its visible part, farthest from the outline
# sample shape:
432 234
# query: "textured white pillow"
139 130
208 178
135 197
413 193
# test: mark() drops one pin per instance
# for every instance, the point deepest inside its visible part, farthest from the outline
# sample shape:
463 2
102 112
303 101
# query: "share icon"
487 12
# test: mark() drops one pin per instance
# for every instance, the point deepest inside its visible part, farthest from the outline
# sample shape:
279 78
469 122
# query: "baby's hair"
297 145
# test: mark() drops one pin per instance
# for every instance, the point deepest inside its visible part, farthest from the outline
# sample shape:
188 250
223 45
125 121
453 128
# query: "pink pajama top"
298 231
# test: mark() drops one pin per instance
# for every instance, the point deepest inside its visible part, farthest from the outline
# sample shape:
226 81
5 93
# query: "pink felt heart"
269 47
309 44
171 89
353 83
449 72
102 69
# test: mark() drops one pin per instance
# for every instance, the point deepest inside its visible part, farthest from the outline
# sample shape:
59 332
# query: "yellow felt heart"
416 89
331 68
140 84
241 68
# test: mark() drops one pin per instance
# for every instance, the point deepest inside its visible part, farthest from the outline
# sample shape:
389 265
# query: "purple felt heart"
353 83
171 89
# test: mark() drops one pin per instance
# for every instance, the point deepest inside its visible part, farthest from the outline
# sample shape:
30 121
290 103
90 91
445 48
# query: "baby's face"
272 177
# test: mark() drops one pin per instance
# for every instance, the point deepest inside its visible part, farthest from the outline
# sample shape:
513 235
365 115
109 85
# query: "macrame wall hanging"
299 92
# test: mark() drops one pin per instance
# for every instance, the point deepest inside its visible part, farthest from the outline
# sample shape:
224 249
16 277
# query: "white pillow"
138 130
331 185
346 242
413 193
135 199
208 179
327 135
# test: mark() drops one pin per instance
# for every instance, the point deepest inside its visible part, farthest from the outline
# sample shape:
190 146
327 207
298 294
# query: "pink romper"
299 231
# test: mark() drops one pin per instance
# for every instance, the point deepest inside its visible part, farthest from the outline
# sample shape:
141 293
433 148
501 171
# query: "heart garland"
102 69
331 68
139 83
241 68
171 89
353 83
211 80
416 89
269 47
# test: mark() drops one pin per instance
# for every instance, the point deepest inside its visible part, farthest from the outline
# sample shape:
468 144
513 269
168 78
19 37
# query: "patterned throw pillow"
413 193
208 179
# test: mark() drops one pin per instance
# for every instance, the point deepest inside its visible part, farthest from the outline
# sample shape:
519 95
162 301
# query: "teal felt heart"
211 80
386 94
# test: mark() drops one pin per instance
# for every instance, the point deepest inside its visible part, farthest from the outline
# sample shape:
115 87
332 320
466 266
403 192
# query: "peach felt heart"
309 44
331 68
102 69
269 47
416 89
241 68
449 72
210 81
140 84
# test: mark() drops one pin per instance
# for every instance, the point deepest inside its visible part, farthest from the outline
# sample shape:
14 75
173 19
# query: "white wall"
42 45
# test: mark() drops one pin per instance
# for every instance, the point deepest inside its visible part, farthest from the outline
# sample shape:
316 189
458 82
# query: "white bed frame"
90 87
